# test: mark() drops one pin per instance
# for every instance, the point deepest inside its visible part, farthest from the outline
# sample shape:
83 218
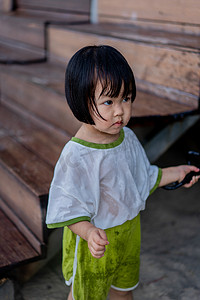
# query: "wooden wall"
181 15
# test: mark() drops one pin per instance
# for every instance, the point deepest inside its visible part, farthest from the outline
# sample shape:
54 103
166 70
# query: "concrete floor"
170 254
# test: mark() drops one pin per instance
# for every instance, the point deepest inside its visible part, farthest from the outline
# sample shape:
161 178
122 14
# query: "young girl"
102 179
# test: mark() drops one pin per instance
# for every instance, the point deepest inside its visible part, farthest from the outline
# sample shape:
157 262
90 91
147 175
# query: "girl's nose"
119 110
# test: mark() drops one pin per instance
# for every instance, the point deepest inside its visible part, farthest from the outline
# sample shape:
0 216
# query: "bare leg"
118 295
70 295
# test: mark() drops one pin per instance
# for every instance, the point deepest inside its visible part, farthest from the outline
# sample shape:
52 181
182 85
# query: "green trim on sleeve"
67 223
157 181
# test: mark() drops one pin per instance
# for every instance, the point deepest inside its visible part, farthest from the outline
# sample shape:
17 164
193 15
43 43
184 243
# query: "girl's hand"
95 237
97 240
184 170
173 174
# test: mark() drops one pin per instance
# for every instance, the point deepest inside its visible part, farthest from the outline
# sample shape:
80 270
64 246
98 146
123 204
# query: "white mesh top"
106 184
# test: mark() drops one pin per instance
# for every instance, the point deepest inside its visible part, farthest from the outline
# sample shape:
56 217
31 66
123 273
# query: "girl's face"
115 111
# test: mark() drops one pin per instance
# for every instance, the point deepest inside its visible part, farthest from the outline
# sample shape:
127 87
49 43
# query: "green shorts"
92 278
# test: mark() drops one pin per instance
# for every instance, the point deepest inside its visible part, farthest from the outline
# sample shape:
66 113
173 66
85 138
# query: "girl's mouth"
118 123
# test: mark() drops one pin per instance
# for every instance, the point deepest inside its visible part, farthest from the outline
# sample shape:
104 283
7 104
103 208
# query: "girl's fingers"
194 180
97 242
101 238
97 247
97 254
97 250
104 239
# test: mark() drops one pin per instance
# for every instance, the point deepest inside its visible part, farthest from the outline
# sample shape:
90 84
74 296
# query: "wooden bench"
30 20
27 159
166 63
35 120
27 153
166 67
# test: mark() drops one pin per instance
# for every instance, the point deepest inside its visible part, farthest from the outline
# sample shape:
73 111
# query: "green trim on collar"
100 146
157 181
67 223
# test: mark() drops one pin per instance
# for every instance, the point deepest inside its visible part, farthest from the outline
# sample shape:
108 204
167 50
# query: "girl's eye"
108 102
126 99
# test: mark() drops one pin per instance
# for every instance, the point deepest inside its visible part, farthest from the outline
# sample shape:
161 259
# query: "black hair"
86 68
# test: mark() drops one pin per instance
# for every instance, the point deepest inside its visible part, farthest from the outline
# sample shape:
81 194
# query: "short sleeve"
71 196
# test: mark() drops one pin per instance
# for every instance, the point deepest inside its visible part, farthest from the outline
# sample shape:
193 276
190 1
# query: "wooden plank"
15 51
80 6
14 248
178 11
25 147
147 104
42 16
29 31
28 26
172 67
30 237
25 204
23 140
30 92
44 74
25 179
25 165
151 24
139 34
33 136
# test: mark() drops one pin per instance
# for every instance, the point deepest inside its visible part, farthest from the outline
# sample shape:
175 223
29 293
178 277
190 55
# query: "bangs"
112 87
113 71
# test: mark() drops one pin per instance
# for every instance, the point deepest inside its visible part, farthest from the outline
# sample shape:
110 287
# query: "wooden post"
94 12
6 5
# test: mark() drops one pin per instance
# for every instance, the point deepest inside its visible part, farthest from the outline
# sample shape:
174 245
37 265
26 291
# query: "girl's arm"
96 237
178 173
